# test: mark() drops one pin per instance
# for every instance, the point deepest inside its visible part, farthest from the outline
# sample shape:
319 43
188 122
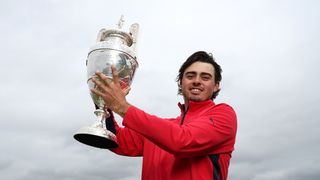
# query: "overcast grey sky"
268 50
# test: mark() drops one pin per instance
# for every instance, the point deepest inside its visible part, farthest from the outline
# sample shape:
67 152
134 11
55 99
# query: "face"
198 82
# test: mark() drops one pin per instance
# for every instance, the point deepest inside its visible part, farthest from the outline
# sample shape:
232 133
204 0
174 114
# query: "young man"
196 145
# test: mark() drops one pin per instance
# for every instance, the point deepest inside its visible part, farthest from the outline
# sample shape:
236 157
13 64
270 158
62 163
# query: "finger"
97 92
98 83
115 74
105 108
127 90
103 78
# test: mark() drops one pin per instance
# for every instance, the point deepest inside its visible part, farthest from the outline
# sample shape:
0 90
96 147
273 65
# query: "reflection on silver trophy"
113 46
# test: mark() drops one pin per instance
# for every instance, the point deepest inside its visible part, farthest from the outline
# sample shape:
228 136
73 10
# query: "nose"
196 80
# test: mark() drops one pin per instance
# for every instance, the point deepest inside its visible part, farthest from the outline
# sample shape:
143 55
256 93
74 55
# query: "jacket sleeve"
212 133
130 142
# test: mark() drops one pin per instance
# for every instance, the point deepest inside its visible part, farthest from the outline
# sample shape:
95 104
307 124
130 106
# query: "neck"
186 103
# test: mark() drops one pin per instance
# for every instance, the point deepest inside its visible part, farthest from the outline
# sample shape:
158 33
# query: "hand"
105 108
111 92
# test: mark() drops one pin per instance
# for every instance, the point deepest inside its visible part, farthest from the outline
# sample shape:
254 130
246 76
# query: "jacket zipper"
184 115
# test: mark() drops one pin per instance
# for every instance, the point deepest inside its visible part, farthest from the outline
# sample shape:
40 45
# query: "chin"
195 99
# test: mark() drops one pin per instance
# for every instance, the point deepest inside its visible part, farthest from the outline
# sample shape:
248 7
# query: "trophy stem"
101 115
97 135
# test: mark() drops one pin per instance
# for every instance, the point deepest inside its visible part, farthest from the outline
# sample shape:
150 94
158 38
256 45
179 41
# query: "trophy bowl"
113 47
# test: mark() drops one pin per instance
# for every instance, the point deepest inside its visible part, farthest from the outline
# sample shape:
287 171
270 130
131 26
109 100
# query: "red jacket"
196 145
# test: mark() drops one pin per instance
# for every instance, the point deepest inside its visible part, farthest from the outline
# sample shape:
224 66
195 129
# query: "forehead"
200 67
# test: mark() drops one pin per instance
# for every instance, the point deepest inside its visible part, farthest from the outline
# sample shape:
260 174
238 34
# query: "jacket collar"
195 106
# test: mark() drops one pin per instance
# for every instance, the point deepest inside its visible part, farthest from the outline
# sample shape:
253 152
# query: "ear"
216 87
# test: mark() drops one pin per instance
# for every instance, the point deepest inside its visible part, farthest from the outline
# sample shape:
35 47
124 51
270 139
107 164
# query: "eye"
206 78
189 76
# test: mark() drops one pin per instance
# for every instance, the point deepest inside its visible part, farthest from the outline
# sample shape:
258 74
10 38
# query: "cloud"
268 51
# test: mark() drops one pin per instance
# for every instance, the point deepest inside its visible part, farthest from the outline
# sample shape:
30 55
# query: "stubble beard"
190 98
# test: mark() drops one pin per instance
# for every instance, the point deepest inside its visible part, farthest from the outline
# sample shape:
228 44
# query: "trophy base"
96 137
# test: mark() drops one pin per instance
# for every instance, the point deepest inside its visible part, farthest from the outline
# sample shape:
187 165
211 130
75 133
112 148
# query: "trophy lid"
117 39
104 35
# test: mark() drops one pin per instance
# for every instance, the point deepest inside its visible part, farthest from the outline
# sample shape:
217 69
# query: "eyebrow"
194 73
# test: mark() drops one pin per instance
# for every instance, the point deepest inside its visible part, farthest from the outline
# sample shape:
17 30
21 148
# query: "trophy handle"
100 36
134 30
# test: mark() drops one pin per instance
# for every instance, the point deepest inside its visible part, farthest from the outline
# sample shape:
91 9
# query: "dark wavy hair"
205 57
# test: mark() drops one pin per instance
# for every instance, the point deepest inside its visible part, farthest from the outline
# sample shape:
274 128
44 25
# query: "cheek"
184 83
184 87
212 87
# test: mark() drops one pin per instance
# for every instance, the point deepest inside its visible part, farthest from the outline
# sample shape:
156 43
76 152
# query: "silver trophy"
113 46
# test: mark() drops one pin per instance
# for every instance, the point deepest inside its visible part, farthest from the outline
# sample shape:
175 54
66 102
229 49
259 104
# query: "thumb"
126 90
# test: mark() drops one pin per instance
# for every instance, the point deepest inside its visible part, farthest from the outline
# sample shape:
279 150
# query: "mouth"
195 90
